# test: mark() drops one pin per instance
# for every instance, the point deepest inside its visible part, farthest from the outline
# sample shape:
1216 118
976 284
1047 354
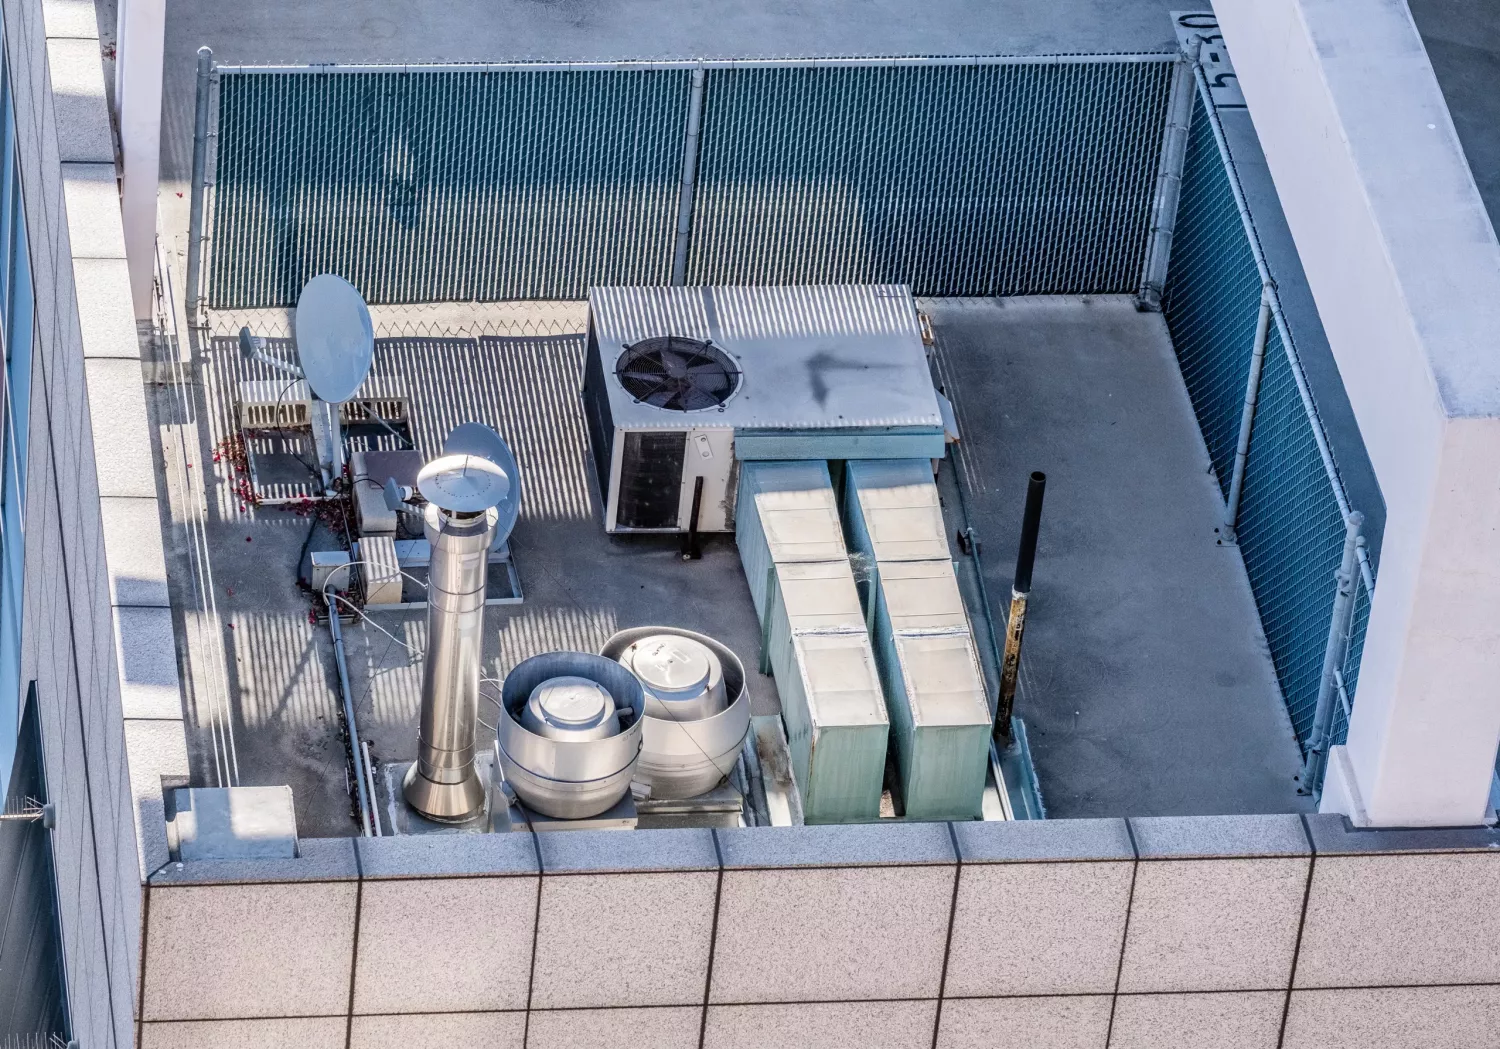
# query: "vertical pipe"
356 754
1168 184
689 178
1015 627
198 189
1337 648
1247 417
691 550
442 783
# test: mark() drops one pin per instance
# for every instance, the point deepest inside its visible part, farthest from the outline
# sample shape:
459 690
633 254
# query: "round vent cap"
678 374
571 707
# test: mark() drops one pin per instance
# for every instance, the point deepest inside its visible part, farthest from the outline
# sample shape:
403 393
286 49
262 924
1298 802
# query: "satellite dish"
478 439
335 339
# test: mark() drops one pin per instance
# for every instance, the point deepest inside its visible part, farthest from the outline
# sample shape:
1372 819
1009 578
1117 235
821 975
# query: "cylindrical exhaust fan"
697 707
569 733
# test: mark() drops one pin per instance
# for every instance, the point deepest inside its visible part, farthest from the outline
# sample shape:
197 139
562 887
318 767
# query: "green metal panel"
839 444
958 180
438 186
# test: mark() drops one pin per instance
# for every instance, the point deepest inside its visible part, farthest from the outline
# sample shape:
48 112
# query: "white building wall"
94 570
1405 269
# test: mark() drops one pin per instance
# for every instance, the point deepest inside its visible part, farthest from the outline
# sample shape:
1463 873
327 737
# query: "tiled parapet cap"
1333 835
446 856
855 845
1044 841
613 852
1206 837
322 860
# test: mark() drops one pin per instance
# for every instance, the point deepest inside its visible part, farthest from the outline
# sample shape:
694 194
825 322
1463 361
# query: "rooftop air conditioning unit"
683 383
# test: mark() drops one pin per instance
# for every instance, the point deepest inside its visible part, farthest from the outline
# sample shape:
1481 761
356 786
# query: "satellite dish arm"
252 348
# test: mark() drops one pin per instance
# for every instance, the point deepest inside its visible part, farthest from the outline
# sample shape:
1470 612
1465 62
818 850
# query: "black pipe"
1015 624
691 550
1030 523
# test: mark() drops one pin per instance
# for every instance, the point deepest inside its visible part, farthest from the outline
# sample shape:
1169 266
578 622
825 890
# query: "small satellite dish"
335 339
478 439
466 484
395 496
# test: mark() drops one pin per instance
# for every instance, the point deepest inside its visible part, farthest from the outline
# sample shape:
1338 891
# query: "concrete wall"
1209 931
93 546
1405 269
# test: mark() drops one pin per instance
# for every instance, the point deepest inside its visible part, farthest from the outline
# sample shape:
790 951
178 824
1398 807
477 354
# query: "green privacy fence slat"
957 180
1291 520
1291 533
1212 296
443 186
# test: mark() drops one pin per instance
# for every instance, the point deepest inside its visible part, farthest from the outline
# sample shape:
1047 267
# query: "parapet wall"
1160 932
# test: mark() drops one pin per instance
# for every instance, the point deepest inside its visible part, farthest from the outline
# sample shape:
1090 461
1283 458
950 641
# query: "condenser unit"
681 384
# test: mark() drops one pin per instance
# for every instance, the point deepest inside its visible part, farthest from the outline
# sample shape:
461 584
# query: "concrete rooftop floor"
1146 685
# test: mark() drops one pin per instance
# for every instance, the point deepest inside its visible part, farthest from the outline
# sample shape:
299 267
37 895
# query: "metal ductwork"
472 492
569 733
697 707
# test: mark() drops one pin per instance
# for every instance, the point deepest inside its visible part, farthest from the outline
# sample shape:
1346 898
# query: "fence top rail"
890 61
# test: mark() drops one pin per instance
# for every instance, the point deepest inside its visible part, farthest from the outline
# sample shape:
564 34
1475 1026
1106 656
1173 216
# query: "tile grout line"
713 939
958 873
536 929
1114 999
359 906
1312 865
140 1009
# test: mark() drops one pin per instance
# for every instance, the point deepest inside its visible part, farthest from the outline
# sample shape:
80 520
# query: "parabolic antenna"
335 339
477 439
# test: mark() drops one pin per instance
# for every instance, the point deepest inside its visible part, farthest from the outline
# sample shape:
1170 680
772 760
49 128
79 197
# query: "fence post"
1333 660
689 178
198 187
1227 535
1168 183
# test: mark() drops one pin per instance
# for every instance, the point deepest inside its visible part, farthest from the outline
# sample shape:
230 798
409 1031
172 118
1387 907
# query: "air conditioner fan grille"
677 373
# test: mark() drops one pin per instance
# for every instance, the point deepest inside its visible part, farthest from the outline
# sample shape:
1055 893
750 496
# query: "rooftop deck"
1145 683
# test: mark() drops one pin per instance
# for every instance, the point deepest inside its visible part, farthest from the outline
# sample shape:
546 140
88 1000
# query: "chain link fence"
959 176
1292 511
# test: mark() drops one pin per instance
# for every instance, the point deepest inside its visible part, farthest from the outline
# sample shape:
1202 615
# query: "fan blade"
674 363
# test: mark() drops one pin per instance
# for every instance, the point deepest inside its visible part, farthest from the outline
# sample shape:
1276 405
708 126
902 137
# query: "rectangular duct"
934 685
792 547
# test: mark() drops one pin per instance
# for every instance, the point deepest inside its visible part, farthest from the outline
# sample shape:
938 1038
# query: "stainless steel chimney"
473 492
443 785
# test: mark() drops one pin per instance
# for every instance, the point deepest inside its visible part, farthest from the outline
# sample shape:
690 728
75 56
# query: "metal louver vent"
677 373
